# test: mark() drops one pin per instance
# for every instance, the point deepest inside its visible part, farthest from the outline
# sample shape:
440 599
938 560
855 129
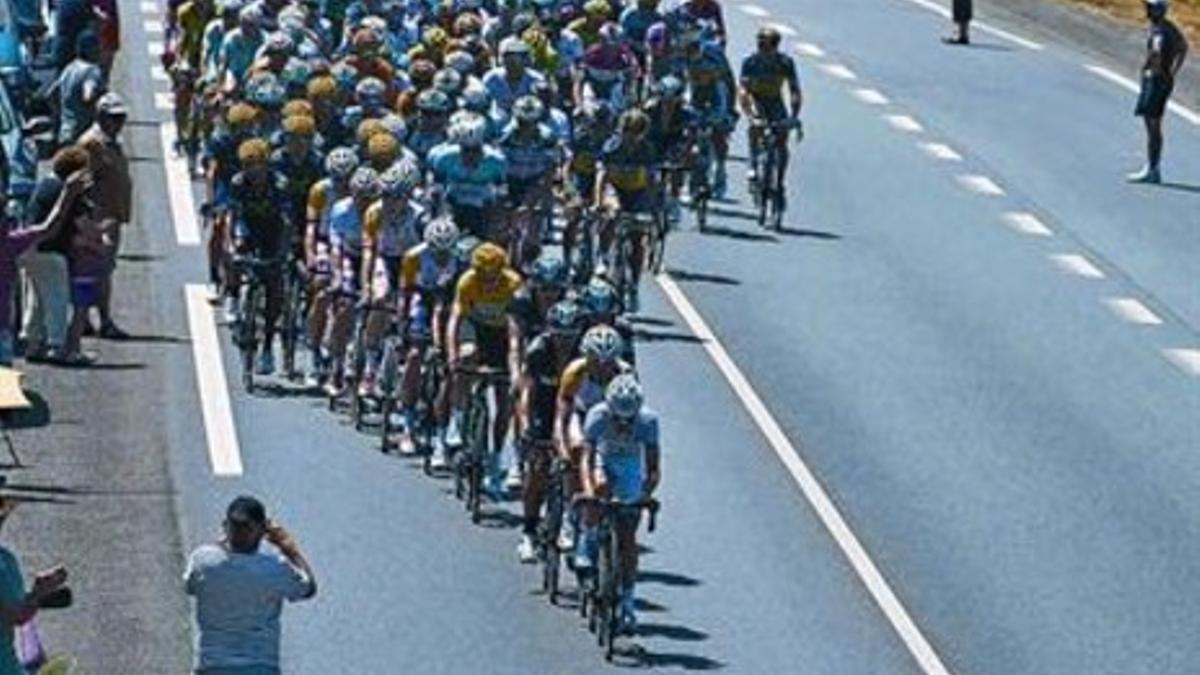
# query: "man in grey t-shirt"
240 591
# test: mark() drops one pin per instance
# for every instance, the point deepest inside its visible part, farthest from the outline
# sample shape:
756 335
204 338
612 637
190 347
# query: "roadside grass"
1185 13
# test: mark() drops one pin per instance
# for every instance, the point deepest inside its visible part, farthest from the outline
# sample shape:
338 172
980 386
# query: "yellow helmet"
382 148
597 8
368 128
297 106
321 87
299 125
253 151
241 114
489 257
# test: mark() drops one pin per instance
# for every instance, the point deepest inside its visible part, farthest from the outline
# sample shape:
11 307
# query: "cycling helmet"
321 87
670 87
421 72
370 89
597 8
441 234
602 343
624 396
548 272
250 14
241 114
297 106
611 34
467 24
658 36
382 149
398 180
528 109
265 91
341 162
513 46
345 75
299 125
770 35
394 125
599 297
461 61
278 44
475 98
1157 7
563 318
366 40
635 121
252 152
433 101
295 75
448 80
473 131
489 258
365 183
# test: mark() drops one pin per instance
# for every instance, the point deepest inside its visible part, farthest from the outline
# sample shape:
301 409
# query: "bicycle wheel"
479 447
247 334
605 594
551 524
289 333
766 182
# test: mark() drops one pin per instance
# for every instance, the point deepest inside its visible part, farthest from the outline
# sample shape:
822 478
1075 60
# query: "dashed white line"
158 73
920 648
224 454
150 7
904 123
152 26
164 101
941 151
154 48
809 49
1128 84
179 190
1080 266
870 96
753 10
1027 223
985 27
1187 360
839 71
980 185
783 29
1131 310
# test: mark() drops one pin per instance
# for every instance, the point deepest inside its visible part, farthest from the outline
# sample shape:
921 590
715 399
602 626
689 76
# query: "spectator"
961 14
79 86
44 326
113 196
16 605
1166 49
240 591
107 16
71 17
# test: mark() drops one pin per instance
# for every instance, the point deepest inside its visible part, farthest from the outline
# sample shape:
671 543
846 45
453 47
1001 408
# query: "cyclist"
581 387
471 177
391 226
482 327
671 124
510 80
636 21
340 165
621 462
346 249
601 307
239 48
764 75
433 116
259 232
587 27
629 164
594 125
608 69
428 275
709 11
545 286
713 96
533 157
221 164
546 356
297 159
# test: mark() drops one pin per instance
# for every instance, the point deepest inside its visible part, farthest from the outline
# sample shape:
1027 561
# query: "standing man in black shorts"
1165 51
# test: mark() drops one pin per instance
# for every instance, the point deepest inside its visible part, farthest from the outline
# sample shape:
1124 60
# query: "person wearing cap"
961 12
113 195
1166 49
239 592
79 86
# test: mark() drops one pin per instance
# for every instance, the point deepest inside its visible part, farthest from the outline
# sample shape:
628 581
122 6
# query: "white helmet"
624 396
602 343
529 109
513 45
441 234
472 131
475 97
461 61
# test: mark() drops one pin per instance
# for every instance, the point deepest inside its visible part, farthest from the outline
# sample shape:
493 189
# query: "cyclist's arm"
601 184
744 99
564 407
794 92
457 312
514 346
524 404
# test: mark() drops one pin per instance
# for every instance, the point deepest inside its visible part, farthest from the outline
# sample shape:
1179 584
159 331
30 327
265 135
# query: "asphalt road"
1015 455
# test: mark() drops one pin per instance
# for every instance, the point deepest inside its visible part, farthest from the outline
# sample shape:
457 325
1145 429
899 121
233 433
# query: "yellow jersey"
486 306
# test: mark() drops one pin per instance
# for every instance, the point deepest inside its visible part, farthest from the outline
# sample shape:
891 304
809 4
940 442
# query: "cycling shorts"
491 343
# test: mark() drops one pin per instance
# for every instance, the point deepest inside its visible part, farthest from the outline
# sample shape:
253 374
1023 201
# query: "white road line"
784 29
164 101
152 26
753 10
1128 84
150 7
223 451
817 497
157 73
904 123
987 28
1132 310
1188 360
809 49
839 71
154 48
179 190
980 185
941 151
1080 266
870 96
1027 223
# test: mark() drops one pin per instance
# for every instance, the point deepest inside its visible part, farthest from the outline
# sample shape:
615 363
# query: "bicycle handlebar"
610 505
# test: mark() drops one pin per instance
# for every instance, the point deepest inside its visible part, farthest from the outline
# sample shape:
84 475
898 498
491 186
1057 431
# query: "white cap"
111 104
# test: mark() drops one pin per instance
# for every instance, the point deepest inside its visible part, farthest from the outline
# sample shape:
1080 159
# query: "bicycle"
293 315
629 225
477 428
700 184
432 366
551 522
767 189
253 274
601 590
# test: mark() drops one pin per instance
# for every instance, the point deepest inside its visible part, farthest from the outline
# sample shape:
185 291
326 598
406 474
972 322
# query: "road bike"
700 183
601 591
254 274
629 227
292 317
767 189
550 525
473 460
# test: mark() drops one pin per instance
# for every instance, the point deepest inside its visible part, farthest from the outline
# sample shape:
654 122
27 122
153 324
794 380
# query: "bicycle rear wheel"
247 334
290 323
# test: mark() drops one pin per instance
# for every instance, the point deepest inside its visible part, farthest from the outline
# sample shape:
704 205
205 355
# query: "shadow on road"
37 415
666 578
988 47
647 659
670 632
704 277
740 235
158 339
665 336
1180 187
811 234
650 320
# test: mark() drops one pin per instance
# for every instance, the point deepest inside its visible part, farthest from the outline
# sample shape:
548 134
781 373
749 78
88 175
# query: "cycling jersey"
710 79
214 37
503 92
192 19
543 366
346 227
528 315
636 21
421 142
620 449
257 216
321 198
303 173
764 76
629 166
394 230
703 10
530 155
486 306
588 34
669 127
583 387
422 271
472 186
238 52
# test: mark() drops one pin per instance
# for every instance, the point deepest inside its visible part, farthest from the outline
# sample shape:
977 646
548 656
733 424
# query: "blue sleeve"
594 424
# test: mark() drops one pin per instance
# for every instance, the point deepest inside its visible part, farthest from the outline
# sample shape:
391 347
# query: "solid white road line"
1187 360
150 7
1026 223
980 185
985 27
152 26
1132 310
784 29
223 451
179 190
870 96
941 151
154 48
157 73
817 497
164 101
839 71
904 123
809 49
1080 266
753 10
1128 84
